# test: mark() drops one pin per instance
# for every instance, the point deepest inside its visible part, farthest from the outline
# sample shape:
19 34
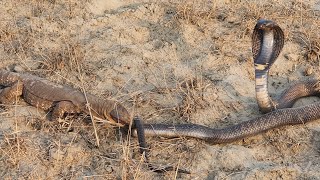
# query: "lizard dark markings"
58 99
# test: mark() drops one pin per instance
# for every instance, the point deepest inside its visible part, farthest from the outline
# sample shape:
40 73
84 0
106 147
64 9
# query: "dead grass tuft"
43 39
195 13
12 149
310 45
312 52
67 57
15 40
193 99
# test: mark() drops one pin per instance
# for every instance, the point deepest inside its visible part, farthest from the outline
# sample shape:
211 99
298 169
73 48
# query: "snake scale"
267 43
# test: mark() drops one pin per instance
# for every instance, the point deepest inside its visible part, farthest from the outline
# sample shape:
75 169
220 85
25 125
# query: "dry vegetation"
171 62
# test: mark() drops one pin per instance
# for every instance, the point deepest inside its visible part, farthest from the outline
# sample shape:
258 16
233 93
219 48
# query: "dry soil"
169 62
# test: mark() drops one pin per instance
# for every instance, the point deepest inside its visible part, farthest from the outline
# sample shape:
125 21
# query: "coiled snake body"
267 43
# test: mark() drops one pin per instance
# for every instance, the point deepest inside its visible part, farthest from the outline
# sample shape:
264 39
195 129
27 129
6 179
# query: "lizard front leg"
9 94
61 108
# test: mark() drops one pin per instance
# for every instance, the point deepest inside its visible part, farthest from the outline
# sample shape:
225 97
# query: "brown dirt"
170 62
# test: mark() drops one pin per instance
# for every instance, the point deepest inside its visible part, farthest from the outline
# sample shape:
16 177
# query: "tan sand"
170 62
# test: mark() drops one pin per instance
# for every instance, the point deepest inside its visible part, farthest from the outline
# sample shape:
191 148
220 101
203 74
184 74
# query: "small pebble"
108 169
291 57
308 71
18 68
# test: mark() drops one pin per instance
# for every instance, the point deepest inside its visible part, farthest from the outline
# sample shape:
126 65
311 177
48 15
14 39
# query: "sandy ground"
170 62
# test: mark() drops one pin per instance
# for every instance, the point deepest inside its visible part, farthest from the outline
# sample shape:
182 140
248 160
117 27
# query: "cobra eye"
263 26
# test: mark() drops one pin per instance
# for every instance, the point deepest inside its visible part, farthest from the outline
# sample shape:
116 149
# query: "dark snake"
267 43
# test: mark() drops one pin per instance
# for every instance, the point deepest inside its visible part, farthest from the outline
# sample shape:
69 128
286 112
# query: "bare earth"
170 62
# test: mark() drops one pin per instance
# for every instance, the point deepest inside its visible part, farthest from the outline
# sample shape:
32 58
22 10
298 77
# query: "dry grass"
42 37
170 62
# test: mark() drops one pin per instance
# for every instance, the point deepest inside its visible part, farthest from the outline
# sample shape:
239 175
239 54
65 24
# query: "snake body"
267 43
274 119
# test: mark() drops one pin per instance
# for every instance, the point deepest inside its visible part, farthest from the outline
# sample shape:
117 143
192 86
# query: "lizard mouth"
120 115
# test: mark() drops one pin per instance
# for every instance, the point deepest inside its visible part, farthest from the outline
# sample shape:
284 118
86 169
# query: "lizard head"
119 114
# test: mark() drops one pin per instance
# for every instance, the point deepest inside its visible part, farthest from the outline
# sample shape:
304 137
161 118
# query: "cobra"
267 43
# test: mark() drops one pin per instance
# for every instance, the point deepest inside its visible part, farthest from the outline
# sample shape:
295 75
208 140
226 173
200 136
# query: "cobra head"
267 43
265 25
